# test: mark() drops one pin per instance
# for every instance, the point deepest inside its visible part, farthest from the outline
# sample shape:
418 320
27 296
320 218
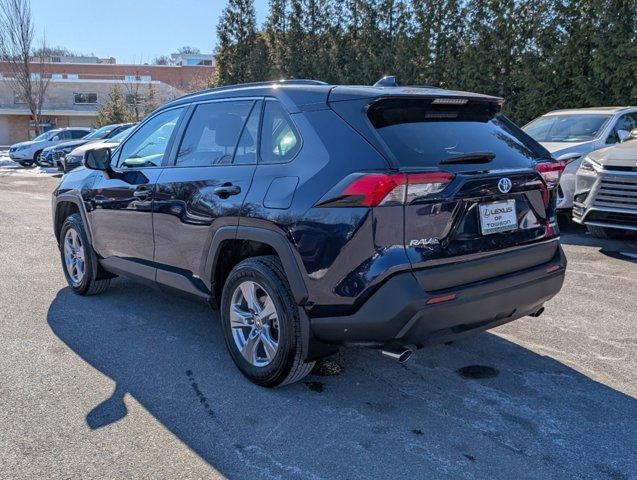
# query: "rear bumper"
398 313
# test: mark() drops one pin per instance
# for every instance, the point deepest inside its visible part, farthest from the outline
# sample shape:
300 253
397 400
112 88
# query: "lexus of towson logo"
504 185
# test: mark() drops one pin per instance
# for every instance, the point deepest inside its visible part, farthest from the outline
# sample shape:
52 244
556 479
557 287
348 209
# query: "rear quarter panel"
338 249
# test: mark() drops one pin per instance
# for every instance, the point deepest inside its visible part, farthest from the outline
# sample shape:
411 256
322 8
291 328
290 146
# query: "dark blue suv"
316 216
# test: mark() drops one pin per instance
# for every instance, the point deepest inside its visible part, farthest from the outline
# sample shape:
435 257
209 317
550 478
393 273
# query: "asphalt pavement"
137 383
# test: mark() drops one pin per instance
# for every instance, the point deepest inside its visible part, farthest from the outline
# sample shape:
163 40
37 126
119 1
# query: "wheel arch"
66 205
268 242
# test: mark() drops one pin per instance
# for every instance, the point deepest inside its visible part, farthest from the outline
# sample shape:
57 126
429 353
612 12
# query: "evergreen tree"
537 54
237 34
115 109
614 55
276 30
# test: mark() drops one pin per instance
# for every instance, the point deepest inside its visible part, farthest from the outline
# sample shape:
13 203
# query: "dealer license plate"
498 217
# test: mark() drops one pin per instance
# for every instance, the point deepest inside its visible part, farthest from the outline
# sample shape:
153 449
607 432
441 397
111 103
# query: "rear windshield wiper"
475 157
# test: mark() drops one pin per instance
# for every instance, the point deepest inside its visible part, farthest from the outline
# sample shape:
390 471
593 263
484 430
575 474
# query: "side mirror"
623 135
55 139
633 134
98 159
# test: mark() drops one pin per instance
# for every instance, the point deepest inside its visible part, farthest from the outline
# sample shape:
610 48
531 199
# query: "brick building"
76 90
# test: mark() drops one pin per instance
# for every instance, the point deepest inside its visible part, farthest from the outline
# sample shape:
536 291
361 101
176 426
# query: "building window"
35 76
195 62
57 76
145 78
85 98
129 78
72 76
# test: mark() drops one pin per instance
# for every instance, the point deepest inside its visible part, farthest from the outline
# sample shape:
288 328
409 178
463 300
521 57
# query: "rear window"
422 134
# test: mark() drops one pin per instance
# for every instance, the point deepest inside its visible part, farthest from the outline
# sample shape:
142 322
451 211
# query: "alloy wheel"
74 257
255 323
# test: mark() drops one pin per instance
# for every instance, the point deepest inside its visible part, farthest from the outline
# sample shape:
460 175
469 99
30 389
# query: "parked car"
606 190
51 156
571 134
75 159
317 216
27 153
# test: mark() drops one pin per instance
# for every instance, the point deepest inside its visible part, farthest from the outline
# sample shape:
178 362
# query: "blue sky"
132 31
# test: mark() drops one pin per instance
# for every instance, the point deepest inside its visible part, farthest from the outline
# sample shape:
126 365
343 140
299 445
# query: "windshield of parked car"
46 135
99 133
121 135
566 128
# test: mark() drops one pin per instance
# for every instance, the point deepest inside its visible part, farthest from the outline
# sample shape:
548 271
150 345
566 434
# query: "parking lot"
137 383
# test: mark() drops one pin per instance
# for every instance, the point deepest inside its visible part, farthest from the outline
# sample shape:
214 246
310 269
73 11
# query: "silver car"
606 190
571 134
26 153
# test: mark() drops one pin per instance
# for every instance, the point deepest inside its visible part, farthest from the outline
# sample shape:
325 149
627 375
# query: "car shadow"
529 417
623 249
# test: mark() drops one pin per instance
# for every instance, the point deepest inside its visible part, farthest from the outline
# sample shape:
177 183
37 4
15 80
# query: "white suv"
26 153
572 134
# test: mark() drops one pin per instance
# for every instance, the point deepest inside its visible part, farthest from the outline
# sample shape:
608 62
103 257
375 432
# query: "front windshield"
45 136
121 135
99 133
566 128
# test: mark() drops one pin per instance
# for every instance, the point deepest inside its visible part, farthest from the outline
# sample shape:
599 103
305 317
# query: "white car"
572 134
606 190
26 153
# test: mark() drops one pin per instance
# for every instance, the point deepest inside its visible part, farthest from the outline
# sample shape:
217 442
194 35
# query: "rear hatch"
470 181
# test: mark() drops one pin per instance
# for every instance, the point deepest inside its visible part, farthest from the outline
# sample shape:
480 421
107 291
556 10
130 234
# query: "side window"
147 146
76 134
213 133
280 140
64 135
246 153
626 122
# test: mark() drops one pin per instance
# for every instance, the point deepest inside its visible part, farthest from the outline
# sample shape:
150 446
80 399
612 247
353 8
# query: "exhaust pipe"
539 312
401 355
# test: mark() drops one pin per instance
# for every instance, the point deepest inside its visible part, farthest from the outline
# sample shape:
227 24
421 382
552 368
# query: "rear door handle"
142 193
227 190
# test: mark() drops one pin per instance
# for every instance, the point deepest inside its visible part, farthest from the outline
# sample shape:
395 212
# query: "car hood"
622 155
93 145
24 144
559 148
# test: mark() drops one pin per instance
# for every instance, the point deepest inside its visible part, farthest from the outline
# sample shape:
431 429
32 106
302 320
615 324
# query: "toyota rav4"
315 216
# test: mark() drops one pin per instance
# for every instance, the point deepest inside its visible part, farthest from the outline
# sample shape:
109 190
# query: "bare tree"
28 80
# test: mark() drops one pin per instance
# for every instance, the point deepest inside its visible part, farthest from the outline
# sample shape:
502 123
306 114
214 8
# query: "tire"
93 279
264 274
36 156
39 163
604 232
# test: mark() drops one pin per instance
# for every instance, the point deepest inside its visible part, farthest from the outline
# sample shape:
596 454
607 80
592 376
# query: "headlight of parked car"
589 167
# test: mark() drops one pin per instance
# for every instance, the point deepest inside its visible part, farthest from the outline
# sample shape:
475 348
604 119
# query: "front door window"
147 146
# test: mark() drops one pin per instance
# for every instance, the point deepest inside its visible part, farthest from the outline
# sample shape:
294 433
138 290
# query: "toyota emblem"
504 185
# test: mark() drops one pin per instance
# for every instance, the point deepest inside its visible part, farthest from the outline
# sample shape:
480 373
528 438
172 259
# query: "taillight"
551 172
376 189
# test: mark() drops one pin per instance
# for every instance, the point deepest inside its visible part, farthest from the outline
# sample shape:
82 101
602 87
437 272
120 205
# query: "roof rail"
292 81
